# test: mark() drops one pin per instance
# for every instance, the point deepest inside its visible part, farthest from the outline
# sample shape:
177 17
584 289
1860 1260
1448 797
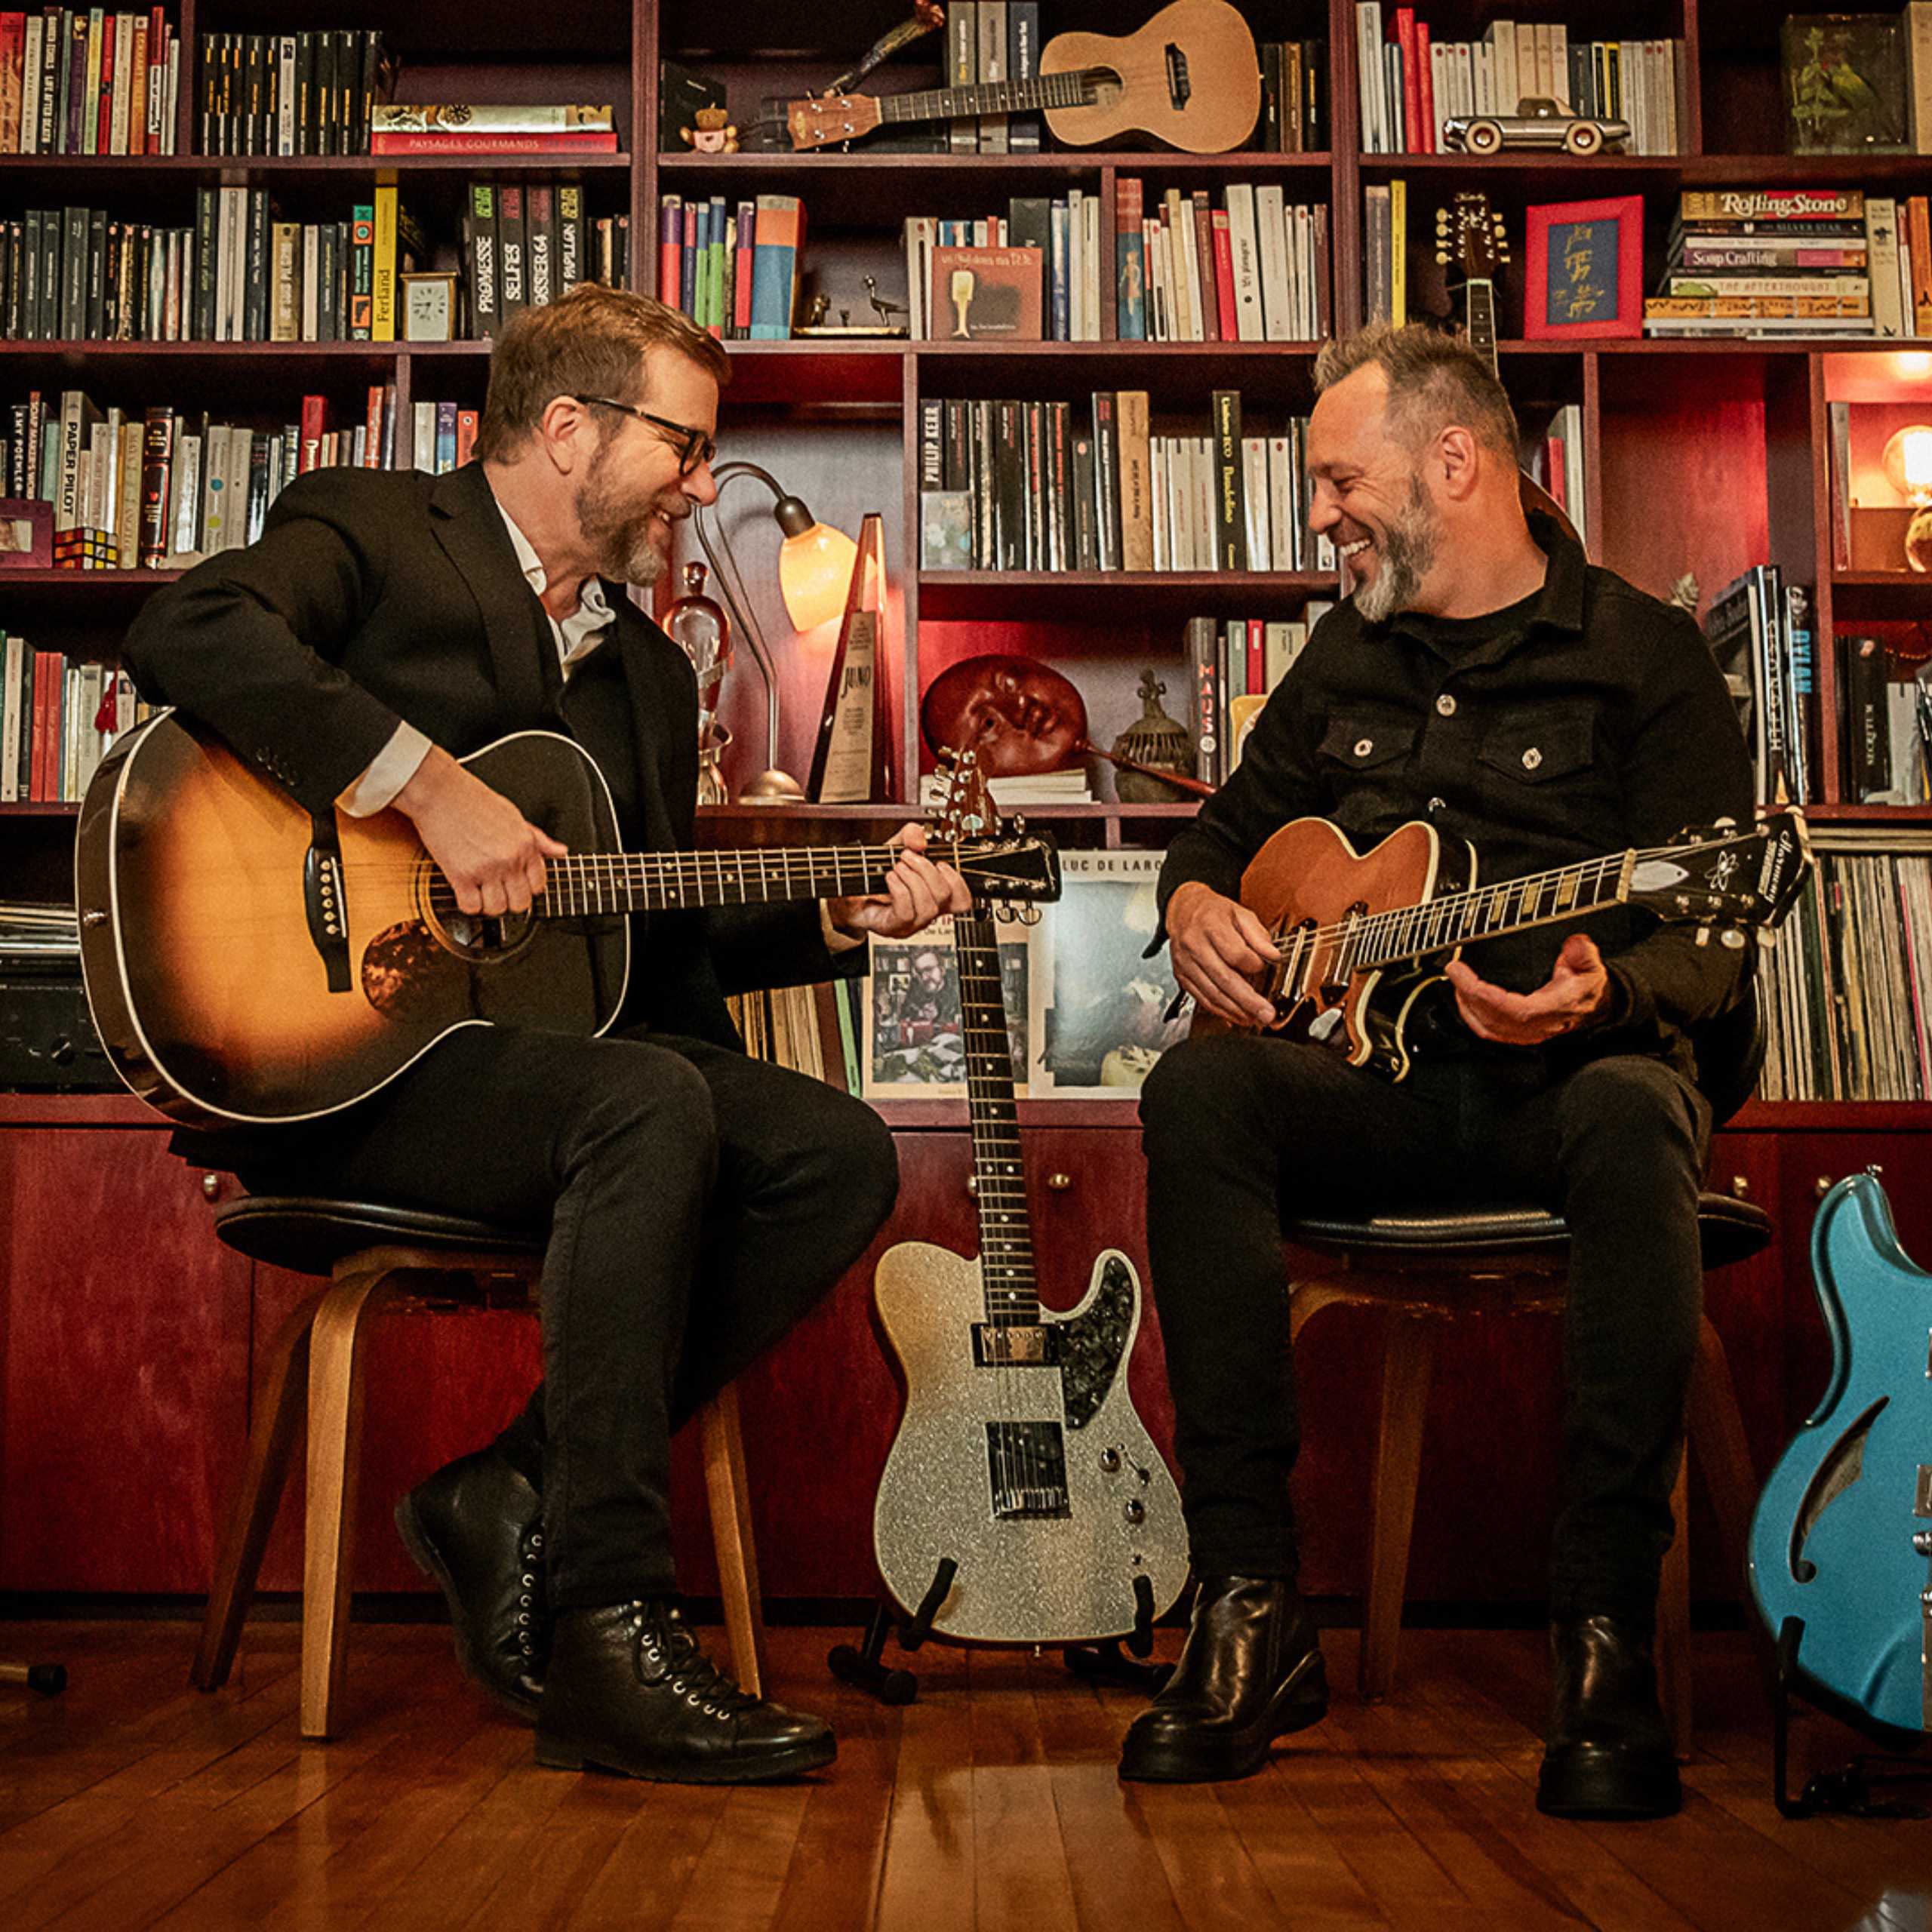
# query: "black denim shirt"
1590 718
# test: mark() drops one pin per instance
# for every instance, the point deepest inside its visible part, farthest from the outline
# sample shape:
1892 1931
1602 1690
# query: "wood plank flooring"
134 1801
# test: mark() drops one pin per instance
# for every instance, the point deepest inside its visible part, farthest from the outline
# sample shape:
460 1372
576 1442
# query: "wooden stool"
1425 1269
378 1258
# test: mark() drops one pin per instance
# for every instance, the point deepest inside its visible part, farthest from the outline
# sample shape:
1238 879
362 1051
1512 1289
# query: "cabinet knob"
1058 1183
1740 1187
210 1186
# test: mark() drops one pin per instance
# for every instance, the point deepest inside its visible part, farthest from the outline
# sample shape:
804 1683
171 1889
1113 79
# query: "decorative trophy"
852 762
703 632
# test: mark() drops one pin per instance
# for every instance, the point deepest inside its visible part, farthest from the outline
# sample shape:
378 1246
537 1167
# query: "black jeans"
697 1202
1242 1132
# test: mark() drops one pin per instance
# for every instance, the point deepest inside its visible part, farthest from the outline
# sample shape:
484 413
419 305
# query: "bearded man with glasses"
696 1203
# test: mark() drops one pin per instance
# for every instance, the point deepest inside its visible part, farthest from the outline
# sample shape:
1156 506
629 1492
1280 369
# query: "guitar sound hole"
479 937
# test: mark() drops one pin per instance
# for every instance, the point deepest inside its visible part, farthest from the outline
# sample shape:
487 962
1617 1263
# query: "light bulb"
1908 463
814 573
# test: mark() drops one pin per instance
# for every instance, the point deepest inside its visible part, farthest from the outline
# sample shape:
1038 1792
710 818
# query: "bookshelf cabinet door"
124 1347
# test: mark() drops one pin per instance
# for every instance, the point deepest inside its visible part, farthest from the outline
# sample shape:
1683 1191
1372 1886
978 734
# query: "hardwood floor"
132 1800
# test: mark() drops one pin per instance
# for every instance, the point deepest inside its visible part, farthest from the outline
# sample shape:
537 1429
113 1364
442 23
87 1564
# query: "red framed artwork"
1583 273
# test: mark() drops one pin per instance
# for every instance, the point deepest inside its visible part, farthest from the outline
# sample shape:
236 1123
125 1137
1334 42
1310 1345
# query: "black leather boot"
477 1528
1250 1671
1610 1753
628 1690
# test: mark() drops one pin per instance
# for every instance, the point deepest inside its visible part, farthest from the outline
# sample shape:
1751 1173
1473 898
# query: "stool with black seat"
1423 1269
379 1258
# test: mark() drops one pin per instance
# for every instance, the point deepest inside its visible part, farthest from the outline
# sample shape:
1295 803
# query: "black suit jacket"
377 596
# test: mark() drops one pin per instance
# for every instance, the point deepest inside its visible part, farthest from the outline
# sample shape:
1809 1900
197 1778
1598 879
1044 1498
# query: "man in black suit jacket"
697 1202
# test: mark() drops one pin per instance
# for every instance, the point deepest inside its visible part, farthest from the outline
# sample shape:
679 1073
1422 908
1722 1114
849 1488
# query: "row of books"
1020 485
1233 666
310 93
79 80
1556 462
1849 984
988 41
56 721
734 272
1254 269
526 243
1795 261
445 436
1887 724
1760 629
167 485
1047 252
1410 83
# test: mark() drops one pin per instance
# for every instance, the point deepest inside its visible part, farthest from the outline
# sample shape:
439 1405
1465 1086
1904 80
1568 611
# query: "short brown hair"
594 341
1434 380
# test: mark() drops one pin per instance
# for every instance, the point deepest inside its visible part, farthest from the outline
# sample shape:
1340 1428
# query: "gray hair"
1434 380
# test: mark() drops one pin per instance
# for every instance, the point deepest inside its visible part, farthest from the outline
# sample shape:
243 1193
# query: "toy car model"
1537 123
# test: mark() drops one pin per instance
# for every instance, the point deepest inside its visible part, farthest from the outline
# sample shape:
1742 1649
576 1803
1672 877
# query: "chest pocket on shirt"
1538 749
1360 742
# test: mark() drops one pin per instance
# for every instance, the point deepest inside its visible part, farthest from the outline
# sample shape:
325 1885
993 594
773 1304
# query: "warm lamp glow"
1908 463
814 573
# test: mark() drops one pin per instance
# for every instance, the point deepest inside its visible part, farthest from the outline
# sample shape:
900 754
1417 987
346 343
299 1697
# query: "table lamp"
1907 461
815 565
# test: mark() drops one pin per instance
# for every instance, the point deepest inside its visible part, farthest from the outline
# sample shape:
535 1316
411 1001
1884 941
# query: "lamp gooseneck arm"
730 583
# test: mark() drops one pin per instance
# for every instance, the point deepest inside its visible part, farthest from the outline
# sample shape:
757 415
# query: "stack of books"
1411 82
1768 262
457 129
76 80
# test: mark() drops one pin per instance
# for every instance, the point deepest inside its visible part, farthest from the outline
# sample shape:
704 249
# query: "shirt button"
1445 706
1532 758
1363 747
1438 805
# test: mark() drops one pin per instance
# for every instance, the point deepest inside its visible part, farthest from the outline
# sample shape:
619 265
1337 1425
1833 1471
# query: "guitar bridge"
1179 91
1027 1345
1027 1461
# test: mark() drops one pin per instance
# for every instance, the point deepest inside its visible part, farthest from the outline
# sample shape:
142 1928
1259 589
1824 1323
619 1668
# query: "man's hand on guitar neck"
1577 991
487 849
917 892
1218 946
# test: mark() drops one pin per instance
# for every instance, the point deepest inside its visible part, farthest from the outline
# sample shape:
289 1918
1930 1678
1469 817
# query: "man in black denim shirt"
1485 678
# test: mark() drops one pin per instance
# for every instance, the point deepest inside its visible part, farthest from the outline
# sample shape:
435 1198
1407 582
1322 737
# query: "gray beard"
624 551
1403 557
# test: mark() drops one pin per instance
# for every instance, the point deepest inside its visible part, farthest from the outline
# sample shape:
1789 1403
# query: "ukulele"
1362 936
1021 1492
247 962
1190 78
1469 232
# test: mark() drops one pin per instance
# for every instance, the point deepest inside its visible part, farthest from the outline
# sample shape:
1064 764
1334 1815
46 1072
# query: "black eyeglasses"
695 447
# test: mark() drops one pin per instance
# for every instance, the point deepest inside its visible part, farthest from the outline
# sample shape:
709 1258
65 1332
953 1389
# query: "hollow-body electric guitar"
1362 935
1190 78
1022 1501
246 962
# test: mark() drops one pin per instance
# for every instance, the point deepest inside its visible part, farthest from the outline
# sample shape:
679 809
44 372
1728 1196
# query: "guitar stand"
1851 1791
1105 1662
863 1669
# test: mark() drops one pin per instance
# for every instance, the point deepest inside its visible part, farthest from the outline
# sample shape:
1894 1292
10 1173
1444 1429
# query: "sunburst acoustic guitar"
246 962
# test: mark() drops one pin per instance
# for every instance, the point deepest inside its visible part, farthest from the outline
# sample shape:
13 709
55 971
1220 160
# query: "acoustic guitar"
1362 936
247 962
1022 1501
1840 1543
1190 78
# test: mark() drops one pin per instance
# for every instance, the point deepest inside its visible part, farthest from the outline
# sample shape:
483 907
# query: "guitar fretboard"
1074 88
594 883
1482 320
1006 1232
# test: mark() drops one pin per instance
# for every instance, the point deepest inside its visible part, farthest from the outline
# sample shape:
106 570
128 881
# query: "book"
986 294
776 267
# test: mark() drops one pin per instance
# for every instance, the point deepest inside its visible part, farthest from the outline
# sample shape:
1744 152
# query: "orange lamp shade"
814 573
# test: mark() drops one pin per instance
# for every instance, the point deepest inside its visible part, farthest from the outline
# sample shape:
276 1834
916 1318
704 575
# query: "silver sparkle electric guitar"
1023 1501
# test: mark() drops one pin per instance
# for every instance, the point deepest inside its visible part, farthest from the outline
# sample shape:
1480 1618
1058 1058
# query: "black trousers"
1243 1131
697 1202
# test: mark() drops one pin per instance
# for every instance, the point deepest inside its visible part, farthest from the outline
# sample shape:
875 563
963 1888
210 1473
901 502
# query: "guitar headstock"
822 123
1005 863
1470 235
1728 876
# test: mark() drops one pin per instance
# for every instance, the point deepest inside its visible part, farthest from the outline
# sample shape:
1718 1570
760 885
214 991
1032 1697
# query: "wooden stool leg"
1716 1434
1408 1359
280 1402
335 1431
1673 1644
732 1536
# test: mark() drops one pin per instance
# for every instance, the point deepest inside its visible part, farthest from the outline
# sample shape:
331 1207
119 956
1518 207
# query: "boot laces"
663 1640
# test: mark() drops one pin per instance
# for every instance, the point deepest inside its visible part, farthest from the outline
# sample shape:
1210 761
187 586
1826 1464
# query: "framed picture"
915 1045
1103 1006
1846 83
27 533
1585 270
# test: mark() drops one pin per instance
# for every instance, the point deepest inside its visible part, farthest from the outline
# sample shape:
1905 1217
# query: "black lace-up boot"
628 1690
477 1528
